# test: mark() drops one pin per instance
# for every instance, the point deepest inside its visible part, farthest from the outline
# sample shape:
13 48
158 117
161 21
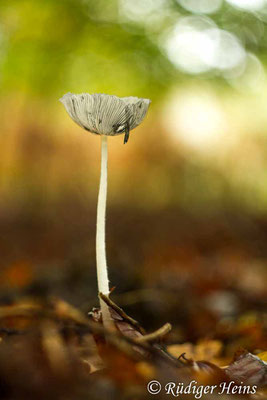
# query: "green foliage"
69 46
50 47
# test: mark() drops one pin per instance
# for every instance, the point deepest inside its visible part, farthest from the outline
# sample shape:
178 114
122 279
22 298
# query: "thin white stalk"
101 260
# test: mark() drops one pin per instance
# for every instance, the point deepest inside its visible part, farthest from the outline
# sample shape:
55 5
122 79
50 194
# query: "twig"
121 342
154 336
120 311
118 339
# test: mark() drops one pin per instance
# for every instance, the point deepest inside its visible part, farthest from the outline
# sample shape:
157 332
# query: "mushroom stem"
101 261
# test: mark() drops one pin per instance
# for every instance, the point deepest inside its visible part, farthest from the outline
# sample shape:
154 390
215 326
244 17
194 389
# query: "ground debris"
68 354
248 368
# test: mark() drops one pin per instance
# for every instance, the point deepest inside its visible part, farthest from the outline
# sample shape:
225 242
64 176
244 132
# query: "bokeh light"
196 45
228 52
201 6
253 77
190 44
250 5
196 119
140 10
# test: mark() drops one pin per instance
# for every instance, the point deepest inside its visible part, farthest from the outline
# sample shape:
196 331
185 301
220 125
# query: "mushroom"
104 115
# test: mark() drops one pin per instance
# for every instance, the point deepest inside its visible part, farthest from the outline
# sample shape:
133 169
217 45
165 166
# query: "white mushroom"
104 115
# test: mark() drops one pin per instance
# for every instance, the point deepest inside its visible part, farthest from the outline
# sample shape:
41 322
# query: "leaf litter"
52 349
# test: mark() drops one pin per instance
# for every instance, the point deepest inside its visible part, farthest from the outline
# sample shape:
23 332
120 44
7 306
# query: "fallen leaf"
249 369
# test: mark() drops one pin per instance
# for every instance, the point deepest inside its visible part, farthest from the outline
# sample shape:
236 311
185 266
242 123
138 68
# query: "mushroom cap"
105 114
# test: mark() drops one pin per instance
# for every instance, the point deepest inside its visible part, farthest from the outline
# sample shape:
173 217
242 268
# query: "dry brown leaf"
249 369
208 350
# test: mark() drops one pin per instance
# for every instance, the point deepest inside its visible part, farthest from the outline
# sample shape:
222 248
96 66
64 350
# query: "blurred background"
187 196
